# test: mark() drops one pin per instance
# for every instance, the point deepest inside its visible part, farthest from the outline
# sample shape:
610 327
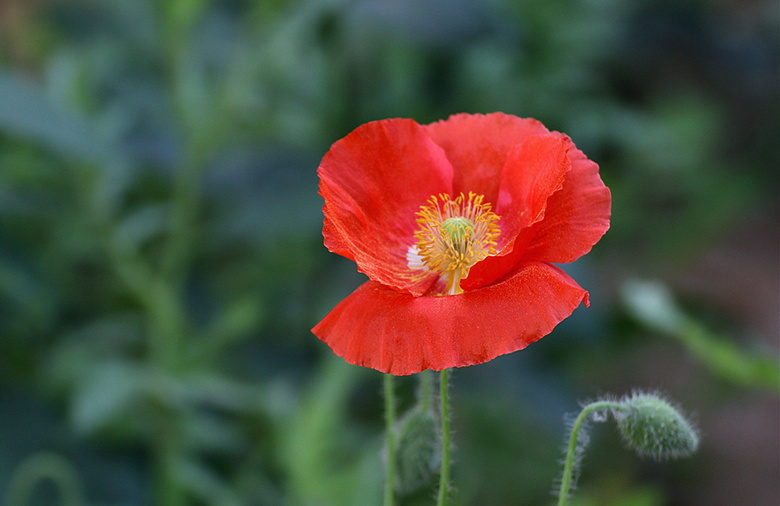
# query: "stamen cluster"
454 235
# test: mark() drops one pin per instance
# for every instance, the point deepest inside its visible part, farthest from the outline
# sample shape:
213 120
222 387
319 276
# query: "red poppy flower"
456 224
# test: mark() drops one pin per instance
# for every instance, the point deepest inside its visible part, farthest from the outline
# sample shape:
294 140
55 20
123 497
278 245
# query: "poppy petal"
373 182
576 216
493 268
399 334
477 146
534 171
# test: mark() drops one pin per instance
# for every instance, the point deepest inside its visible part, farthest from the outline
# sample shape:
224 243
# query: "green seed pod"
417 455
654 428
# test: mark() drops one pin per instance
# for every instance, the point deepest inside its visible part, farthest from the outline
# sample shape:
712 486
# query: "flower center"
454 235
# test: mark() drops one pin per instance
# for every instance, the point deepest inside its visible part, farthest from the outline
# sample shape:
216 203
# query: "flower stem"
444 398
572 450
390 426
426 380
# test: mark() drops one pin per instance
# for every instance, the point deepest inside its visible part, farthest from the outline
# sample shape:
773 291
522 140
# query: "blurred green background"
161 261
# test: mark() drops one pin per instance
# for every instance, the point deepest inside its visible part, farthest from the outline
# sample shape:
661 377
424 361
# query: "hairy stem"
444 398
572 449
390 426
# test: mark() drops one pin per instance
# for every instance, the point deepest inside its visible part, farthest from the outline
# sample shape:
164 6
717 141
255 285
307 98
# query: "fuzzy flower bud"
654 428
417 455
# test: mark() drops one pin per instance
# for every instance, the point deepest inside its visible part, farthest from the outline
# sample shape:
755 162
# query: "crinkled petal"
477 146
491 269
399 334
373 182
533 172
576 216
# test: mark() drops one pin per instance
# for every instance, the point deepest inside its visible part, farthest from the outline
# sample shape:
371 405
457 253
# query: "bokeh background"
161 261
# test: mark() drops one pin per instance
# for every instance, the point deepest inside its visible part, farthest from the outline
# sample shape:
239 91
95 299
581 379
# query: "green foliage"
160 252
39 468
653 305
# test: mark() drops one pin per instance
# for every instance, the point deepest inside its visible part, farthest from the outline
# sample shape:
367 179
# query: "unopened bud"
417 455
654 428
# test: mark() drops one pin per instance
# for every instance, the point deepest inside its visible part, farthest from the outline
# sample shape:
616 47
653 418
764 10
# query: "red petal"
477 147
534 171
396 333
491 269
576 216
373 182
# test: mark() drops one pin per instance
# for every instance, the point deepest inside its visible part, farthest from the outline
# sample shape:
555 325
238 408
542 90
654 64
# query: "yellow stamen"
454 235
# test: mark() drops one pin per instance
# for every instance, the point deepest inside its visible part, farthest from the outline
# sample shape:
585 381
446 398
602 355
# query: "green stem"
168 314
444 398
390 426
426 383
184 210
571 451
40 467
168 490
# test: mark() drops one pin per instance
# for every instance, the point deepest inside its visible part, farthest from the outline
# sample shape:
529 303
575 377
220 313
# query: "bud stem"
572 450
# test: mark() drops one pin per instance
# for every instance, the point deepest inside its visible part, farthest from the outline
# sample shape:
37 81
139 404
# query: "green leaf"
140 226
27 112
109 391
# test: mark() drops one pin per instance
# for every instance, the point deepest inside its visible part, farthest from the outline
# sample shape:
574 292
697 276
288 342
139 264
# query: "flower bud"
654 428
417 455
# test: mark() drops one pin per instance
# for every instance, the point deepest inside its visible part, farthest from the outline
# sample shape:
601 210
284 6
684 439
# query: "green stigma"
457 228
